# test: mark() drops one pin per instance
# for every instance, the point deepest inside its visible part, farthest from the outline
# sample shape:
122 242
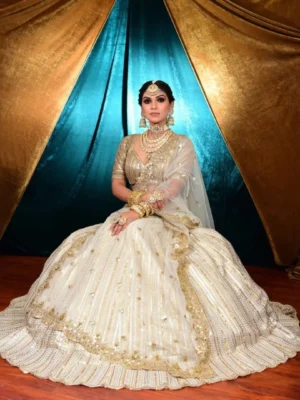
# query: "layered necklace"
152 145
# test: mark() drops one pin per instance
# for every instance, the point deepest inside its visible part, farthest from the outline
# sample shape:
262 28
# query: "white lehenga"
165 304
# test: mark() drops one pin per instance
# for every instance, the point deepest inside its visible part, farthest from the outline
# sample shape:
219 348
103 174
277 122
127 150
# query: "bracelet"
149 210
134 197
138 209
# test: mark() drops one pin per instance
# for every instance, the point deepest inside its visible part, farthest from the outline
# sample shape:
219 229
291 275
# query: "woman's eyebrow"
159 95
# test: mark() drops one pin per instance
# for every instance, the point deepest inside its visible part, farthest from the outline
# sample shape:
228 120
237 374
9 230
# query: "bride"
154 297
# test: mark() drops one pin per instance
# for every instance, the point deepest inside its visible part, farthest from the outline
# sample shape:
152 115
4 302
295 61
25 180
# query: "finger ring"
159 195
122 221
116 218
152 198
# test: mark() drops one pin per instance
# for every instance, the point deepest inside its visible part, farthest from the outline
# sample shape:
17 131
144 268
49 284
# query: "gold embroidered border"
194 307
94 345
183 219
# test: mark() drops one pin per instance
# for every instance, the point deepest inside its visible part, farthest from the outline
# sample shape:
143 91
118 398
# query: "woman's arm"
119 189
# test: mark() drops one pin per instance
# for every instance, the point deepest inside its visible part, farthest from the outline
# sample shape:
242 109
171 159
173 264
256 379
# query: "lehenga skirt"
123 312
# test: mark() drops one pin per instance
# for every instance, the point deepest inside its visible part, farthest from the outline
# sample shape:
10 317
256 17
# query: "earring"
170 118
142 123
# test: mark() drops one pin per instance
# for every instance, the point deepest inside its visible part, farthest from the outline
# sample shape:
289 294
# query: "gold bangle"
134 197
143 204
138 209
149 210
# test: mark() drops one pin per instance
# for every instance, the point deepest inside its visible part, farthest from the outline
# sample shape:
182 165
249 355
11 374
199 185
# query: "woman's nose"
154 104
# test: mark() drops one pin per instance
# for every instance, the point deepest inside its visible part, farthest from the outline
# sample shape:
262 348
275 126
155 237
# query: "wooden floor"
283 382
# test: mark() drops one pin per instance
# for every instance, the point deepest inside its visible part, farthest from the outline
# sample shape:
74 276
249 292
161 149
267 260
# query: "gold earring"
142 123
170 118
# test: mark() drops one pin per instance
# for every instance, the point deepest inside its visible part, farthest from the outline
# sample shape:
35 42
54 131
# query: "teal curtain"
71 187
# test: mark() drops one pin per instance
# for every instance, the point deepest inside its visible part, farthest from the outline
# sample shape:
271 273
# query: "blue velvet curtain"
71 187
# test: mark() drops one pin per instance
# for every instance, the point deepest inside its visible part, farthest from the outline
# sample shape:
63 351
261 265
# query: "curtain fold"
43 47
71 187
247 57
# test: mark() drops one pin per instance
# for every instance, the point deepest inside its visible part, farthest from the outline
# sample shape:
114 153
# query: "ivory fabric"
246 55
43 48
165 304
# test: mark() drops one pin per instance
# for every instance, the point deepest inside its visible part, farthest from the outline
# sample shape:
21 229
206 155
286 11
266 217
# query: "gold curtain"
43 47
246 55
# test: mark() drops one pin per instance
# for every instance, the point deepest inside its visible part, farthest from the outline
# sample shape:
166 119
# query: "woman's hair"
162 85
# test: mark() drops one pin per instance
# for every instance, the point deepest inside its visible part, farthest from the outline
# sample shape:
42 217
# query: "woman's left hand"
130 216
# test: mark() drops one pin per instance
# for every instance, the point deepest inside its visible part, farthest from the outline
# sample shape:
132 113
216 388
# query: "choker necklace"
158 128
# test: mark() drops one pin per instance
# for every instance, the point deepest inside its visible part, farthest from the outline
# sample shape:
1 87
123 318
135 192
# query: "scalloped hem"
40 354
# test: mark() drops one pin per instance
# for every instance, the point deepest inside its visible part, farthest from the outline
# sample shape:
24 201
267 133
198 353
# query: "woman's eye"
146 101
161 99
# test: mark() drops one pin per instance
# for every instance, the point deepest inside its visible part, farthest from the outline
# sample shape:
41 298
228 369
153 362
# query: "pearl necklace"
150 146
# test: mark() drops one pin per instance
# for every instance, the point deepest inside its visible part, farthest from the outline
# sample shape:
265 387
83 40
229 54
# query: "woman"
154 297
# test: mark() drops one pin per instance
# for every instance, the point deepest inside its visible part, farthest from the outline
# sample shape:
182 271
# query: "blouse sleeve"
119 164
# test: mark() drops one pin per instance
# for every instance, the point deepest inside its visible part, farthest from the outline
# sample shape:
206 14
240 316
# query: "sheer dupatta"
186 204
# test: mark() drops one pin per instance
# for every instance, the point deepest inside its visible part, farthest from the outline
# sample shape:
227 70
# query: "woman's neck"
159 128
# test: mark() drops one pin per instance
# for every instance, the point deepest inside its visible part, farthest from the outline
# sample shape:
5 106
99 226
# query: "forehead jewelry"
153 89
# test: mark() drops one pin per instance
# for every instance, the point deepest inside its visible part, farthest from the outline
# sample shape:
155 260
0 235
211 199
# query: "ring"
159 195
152 198
156 196
122 221
116 218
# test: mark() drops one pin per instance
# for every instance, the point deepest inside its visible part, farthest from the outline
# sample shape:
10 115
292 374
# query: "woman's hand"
130 215
158 205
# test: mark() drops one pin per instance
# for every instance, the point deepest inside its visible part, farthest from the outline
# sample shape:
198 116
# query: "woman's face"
156 107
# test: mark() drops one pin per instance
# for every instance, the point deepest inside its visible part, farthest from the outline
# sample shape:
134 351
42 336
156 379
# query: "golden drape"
246 55
44 45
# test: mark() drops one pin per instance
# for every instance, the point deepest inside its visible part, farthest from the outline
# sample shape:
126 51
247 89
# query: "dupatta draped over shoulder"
173 170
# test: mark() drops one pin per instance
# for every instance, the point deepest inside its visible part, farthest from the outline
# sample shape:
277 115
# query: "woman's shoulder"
183 139
130 137
126 140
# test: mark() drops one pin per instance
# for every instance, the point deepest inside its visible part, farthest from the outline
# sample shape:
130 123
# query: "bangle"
134 197
149 210
138 209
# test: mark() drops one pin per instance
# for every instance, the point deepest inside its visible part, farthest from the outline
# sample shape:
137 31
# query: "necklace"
150 146
158 128
157 138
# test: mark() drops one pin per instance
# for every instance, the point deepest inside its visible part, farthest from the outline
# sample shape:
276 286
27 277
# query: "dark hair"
162 85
